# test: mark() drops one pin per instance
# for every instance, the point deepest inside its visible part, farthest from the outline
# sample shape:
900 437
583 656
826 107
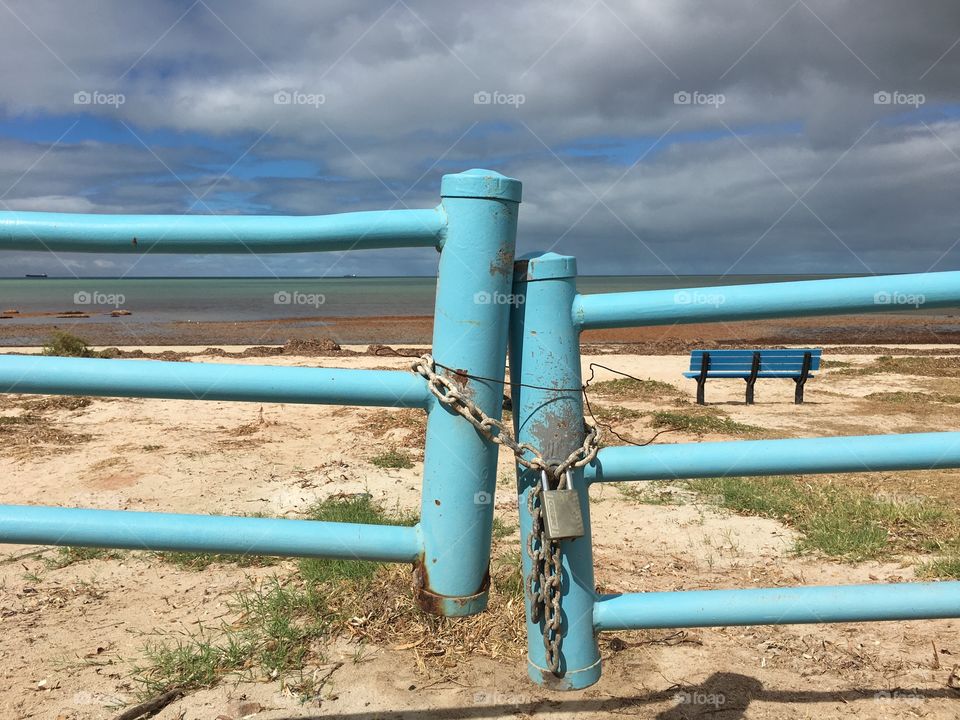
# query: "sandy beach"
890 328
279 460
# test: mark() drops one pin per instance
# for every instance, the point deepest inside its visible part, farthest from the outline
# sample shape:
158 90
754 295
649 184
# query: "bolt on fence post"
545 353
470 335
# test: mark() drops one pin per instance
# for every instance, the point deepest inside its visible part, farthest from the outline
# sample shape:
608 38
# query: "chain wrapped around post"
546 578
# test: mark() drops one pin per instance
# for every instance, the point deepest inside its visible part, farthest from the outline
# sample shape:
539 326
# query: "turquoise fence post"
470 336
544 354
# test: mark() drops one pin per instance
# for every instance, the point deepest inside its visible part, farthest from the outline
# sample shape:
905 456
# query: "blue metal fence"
475 229
545 353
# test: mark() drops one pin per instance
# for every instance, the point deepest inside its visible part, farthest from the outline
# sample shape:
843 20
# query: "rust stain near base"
446 605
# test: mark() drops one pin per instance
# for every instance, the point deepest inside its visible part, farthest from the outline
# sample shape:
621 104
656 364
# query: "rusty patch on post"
502 263
461 378
557 434
446 605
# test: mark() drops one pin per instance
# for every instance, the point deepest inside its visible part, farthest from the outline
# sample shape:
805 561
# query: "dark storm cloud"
615 169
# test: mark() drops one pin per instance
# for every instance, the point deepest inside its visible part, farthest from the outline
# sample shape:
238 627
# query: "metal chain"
447 392
546 577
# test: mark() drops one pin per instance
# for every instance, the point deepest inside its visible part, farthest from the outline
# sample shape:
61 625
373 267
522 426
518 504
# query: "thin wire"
582 389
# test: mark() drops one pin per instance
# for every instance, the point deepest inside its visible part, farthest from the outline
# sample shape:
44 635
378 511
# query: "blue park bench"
752 364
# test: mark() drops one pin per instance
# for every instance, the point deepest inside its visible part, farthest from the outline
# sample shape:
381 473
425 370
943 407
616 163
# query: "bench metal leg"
798 393
752 380
802 380
702 377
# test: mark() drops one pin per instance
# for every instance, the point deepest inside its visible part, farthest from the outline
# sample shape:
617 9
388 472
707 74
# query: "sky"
652 137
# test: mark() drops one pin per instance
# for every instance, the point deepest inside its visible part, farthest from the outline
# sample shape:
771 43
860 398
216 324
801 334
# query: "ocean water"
157 300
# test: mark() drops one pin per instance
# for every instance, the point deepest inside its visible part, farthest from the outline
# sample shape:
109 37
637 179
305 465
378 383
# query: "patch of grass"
630 389
201 561
356 509
507 575
614 413
827 364
702 423
24 419
190 661
281 622
925 366
836 521
68 555
405 426
392 458
64 344
912 398
946 566
649 493
56 402
502 529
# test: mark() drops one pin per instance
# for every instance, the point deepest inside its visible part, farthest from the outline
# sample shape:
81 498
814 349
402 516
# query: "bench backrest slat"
770 360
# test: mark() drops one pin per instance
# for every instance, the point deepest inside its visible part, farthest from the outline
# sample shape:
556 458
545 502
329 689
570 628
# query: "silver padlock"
562 518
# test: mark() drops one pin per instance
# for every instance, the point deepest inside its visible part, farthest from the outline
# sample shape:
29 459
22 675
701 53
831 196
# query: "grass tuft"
281 621
355 509
630 389
63 344
393 458
68 555
702 423
836 521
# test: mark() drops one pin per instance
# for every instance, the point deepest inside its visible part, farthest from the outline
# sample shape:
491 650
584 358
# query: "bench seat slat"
745 373
742 360
763 366
748 353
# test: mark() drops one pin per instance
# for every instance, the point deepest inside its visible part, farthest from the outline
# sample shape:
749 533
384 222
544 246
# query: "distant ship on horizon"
38 275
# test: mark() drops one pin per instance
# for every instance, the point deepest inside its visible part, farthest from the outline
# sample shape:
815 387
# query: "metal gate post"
469 335
545 353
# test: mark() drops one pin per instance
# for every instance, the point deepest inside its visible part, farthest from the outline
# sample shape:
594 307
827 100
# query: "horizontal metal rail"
37 525
777 606
71 232
767 300
739 458
211 381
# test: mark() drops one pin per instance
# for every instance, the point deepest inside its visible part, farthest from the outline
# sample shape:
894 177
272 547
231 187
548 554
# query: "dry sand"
71 635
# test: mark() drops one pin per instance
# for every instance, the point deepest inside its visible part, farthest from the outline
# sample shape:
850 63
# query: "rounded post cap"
479 183
544 266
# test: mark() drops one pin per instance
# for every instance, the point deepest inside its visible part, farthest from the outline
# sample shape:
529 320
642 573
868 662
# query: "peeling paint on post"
545 353
469 335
